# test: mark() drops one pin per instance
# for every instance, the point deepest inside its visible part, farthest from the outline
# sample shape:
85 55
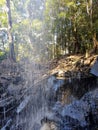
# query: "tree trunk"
95 48
11 42
89 4
76 42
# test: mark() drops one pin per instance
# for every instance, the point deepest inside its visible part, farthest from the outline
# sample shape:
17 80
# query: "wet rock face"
36 127
79 115
48 124
83 111
94 68
68 124
77 87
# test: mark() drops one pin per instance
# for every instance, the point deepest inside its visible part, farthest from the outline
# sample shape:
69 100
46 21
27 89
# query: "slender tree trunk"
91 4
76 45
95 48
89 7
11 42
76 42
95 42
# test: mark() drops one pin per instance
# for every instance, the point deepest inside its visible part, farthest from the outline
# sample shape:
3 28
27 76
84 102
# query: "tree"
75 23
10 35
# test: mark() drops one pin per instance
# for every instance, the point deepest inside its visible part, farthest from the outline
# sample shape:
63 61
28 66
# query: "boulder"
49 124
85 110
94 68
79 115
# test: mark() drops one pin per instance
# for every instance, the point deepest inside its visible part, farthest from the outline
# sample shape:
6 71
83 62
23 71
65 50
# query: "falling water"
48 98
38 105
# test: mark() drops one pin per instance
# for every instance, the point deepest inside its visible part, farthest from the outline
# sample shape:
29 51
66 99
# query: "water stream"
52 104
48 103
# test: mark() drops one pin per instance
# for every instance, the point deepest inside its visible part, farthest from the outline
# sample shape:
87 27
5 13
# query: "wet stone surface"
56 104
78 113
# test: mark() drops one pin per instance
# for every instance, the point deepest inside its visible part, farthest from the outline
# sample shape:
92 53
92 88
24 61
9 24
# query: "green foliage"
59 25
3 55
3 19
3 15
36 24
74 23
2 2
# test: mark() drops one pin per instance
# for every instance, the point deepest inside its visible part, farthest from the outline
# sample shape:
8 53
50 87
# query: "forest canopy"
47 28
